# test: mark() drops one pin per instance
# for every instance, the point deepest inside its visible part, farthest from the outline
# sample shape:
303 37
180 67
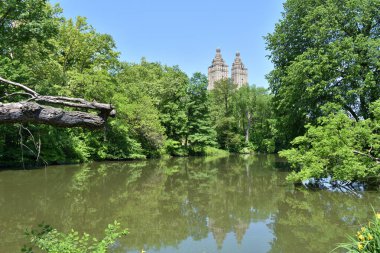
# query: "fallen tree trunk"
30 112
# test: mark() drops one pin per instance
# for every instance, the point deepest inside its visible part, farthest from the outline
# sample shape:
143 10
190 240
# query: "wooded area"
324 87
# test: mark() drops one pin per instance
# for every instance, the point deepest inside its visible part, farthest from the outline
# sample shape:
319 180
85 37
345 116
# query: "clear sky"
185 33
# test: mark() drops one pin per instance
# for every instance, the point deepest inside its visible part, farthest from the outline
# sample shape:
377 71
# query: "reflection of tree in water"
163 202
90 193
245 192
315 221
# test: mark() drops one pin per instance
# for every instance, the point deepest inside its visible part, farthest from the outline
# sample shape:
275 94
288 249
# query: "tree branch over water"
33 110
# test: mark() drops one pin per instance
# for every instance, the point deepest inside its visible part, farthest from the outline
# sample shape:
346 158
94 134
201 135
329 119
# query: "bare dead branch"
74 102
356 152
27 89
15 94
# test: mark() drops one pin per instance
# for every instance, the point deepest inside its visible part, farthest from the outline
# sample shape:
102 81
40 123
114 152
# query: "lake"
228 204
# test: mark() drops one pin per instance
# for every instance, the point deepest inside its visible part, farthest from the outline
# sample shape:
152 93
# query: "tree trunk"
249 122
30 112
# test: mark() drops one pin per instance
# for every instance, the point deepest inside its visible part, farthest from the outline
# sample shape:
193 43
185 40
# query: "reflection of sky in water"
336 186
257 239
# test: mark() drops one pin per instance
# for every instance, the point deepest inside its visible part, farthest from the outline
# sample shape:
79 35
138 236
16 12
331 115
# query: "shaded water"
232 204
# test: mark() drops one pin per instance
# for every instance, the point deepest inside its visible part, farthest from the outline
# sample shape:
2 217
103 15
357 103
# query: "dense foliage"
159 108
324 89
325 85
243 118
324 51
338 147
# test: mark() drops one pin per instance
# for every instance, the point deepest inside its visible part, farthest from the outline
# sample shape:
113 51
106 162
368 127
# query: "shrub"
174 148
52 241
211 151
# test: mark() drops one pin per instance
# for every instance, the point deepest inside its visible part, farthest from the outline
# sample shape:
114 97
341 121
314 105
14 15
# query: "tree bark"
31 112
249 122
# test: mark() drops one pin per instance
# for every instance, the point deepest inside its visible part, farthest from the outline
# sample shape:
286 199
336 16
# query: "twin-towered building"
219 70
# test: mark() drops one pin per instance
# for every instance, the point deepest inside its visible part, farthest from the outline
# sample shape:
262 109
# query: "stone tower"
239 73
217 71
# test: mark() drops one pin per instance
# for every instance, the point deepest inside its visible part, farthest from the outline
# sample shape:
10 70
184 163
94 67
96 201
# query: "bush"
249 148
211 151
52 241
174 148
270 145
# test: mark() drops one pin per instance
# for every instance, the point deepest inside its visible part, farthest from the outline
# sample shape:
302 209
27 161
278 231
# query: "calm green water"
233 204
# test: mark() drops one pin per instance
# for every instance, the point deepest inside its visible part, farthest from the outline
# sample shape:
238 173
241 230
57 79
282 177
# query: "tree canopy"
339 148
324 51
325 85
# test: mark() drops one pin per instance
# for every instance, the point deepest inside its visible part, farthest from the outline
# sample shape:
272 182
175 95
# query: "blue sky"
185 33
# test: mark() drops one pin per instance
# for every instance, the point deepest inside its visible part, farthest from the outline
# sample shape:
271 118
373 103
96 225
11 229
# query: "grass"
366 240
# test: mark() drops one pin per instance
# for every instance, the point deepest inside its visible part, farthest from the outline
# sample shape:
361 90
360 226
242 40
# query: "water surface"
230 204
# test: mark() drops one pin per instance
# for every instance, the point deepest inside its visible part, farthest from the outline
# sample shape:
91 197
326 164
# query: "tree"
26 28
172 94
86 61
156 98
33 43
253 118
222 96
263 131
324 51
339 148
225 123
244 108
199 133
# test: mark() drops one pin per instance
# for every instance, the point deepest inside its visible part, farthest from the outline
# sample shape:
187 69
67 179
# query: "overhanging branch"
33 112
30 112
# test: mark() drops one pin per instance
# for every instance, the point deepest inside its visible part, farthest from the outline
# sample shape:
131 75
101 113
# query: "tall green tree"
172 94
200 133
26 28
58 57
255 120
85 60
222 96
264 132
244 108
156 98
324 51
225 123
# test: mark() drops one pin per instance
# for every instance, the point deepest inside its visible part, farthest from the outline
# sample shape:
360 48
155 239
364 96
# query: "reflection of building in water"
218 233
219 71
240 228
